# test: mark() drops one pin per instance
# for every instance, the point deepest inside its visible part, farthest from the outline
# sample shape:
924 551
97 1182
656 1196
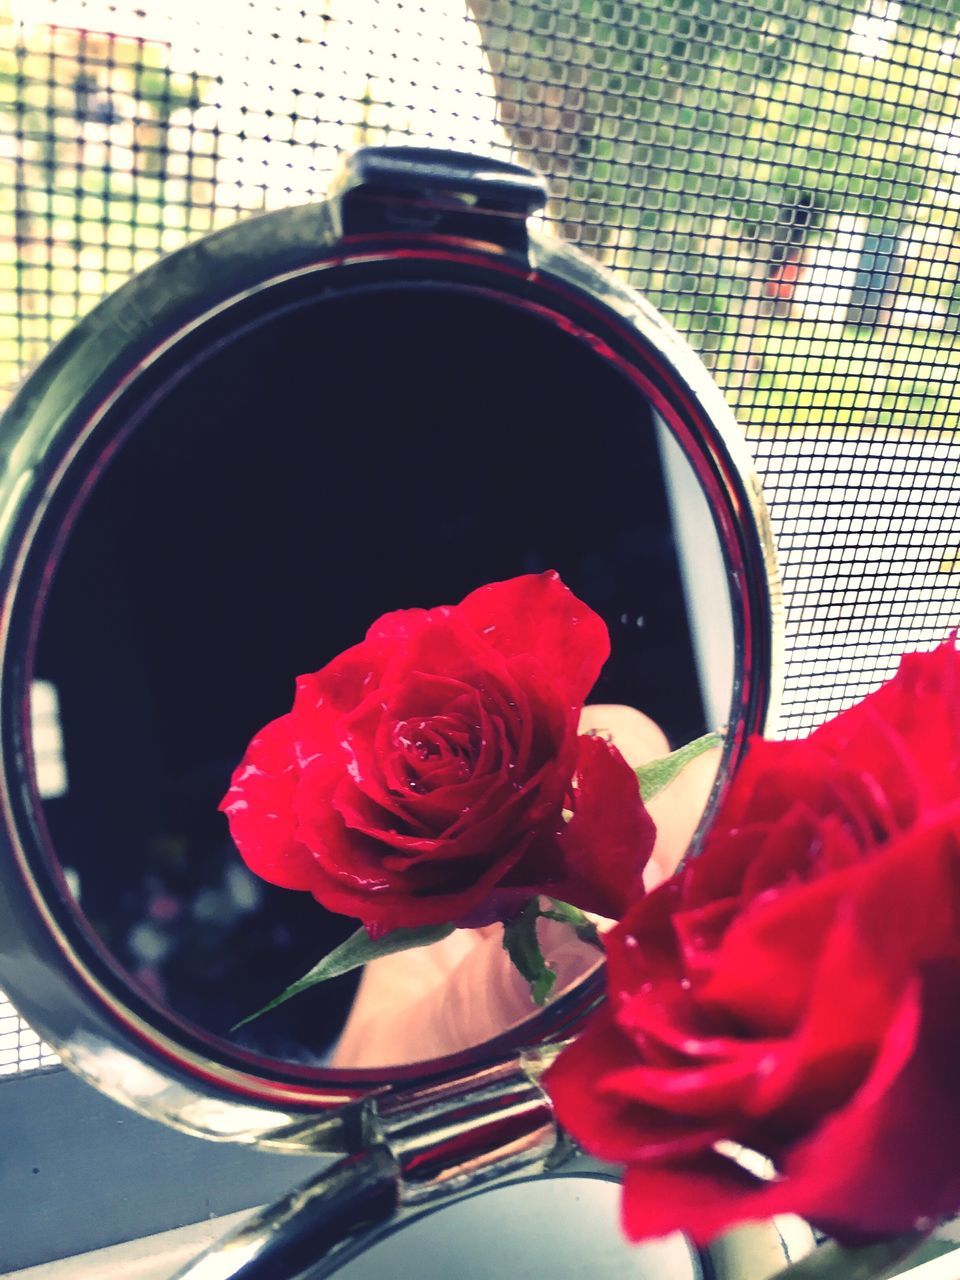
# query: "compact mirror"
353 457
296 440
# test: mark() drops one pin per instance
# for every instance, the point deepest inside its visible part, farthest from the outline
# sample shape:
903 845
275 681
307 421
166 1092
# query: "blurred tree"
701 144
159 93
89 118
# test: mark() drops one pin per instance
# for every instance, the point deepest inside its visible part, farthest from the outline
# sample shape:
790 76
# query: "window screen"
21 1049
780 177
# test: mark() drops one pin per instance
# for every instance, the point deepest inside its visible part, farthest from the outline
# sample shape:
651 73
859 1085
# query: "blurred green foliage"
84 187
700 144
708 149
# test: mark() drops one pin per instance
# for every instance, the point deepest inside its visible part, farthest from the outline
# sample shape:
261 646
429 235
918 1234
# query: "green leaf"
359 949
656 775
562 912
523 947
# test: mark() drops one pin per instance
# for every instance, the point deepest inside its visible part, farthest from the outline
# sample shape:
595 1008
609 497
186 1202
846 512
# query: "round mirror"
261 515
236 510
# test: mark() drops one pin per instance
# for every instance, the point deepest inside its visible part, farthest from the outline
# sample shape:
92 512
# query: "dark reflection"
361 455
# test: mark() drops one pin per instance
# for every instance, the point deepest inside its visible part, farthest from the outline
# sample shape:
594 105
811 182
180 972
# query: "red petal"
442 645
872 750
675 1030
781 778
361 814
706 1091
643 947
700 933
410 906
324 696
763 970
344 855
921 706
367 749
357 875
889 1158
394 629
800 846
604 1124
259 809
606 844
901 910
700 1197
538 616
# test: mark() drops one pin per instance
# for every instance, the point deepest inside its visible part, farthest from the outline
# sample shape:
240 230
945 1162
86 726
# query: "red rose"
796 989
422 775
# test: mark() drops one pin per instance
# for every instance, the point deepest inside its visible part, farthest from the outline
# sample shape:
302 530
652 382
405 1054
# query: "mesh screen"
21 1049
778 176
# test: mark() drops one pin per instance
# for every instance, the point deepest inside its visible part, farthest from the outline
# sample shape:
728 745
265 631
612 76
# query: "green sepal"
359 949
583 926
522 945
656 775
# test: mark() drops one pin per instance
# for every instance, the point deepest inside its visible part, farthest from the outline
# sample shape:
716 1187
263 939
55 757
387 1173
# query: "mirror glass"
356 455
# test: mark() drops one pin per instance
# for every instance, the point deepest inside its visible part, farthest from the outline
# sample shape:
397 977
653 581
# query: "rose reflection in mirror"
215 560
461 991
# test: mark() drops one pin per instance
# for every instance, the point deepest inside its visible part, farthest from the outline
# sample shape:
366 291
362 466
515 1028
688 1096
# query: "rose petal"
672 1028
889 1158
324 696
385 910
442 644
615 1129
776 780
799 846
880 1166
605 845
509 812
700 933
884 762
700 1197
356 875
643 947
780 936
393 630
920 708
539 617
365 816
800 772
260 813
901 910
705 1091
365 739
